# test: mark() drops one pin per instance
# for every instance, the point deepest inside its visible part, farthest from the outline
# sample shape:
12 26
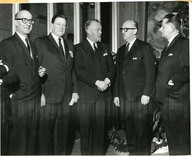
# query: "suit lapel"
166 50
131 51
54 42
58 52
24 50
88 48
66 49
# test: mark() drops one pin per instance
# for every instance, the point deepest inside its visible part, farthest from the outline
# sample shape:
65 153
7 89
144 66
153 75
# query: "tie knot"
95 45
27 40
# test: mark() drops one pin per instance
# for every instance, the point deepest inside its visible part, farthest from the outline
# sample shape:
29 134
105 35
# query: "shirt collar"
91 42
131 43
57 38
172 38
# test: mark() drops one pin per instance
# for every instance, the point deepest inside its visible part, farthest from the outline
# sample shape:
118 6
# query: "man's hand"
170 83
74 99
145 99
43 100
1 82
107 81
116 101
41 71
101 85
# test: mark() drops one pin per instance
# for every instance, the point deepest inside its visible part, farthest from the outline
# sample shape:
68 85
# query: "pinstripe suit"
24 85
58 87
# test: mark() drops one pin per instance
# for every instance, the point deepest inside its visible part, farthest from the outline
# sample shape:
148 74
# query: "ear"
172 27
51 26
135 31
16 23
88 31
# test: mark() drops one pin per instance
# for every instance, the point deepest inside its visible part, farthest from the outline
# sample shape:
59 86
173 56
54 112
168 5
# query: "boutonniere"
105 53
71 53
170 54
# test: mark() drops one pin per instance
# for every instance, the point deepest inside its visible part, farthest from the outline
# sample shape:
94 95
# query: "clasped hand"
101 85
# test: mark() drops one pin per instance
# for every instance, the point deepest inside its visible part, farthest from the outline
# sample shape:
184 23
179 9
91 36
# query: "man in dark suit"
95 72
24 88
134 88
58 88
172 86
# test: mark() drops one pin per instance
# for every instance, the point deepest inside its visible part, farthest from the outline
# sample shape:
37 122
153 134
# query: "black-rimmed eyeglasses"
25 20
126 29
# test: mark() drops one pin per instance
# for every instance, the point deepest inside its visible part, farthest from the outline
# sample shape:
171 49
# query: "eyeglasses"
126 29
25 20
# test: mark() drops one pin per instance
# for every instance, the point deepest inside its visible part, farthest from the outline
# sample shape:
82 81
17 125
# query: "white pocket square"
134 58
170 54
105 54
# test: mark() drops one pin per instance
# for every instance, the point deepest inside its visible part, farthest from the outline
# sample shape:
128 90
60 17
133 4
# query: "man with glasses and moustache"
25 92
134 89
58 88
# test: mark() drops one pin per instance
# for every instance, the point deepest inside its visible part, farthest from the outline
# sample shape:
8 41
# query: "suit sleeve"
3 71
81 73
39 50
182 76
111 68
117 78
74 80
149 63
8 59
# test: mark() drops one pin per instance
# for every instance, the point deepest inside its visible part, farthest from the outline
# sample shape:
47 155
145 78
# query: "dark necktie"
28 47
96 49
127 49
61 47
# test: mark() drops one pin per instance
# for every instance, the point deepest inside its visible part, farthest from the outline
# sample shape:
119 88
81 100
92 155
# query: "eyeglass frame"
126 29
31 21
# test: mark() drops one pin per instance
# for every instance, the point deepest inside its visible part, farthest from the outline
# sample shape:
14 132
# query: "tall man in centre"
94 69
58 88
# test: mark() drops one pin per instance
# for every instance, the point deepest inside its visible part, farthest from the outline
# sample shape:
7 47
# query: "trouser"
92 122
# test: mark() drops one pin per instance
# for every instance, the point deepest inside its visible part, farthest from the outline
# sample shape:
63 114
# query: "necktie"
127 49
28 47
61 47
96 49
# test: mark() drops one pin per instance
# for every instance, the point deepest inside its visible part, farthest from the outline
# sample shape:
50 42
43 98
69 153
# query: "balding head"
129 30
23 22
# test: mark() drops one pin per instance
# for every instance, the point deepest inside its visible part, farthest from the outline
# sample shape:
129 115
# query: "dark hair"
88 23
174 19
58 16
